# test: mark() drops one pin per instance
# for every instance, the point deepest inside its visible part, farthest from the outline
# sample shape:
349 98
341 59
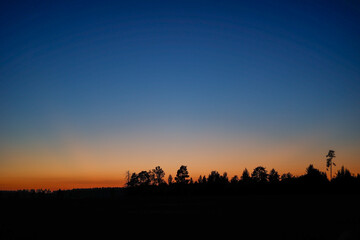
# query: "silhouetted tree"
259 175
329 161
214 177
170 179
158 175
224 178
245 177
314 176
134 181
201 180
273 176
344 176
234 179
287 177
182 175
144 178
204 180
127 177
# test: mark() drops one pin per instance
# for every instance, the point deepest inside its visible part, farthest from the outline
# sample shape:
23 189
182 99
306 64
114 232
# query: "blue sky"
275 68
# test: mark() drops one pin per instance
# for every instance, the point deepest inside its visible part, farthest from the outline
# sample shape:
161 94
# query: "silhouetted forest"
257 204
259 181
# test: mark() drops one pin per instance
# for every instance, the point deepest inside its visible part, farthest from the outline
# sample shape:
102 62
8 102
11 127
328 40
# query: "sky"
92 89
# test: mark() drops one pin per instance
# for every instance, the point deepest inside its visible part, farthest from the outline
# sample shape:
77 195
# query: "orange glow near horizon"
80 163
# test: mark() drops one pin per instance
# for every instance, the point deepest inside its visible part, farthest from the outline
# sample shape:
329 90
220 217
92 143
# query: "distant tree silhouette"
329 161
170 179
214 177
144 177
128 176
191 181
158 175
201 179
134 181
311 171
344 176
224 178
314 176
182 175
245 177
204 180
343 173
273 176
287 177
234 179
259 175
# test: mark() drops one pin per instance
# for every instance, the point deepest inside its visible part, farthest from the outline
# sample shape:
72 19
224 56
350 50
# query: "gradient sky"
89 90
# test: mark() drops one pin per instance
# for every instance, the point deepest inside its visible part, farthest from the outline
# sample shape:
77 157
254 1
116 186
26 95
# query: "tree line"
258 181
259 175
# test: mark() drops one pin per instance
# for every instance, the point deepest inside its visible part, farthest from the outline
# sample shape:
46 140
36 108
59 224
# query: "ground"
288 216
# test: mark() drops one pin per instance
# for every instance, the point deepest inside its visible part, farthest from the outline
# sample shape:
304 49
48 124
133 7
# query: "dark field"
290 216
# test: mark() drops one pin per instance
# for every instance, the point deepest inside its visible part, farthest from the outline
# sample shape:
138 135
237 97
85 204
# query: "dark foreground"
290 216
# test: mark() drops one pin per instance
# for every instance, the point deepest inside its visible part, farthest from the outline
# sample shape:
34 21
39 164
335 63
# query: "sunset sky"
92 89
